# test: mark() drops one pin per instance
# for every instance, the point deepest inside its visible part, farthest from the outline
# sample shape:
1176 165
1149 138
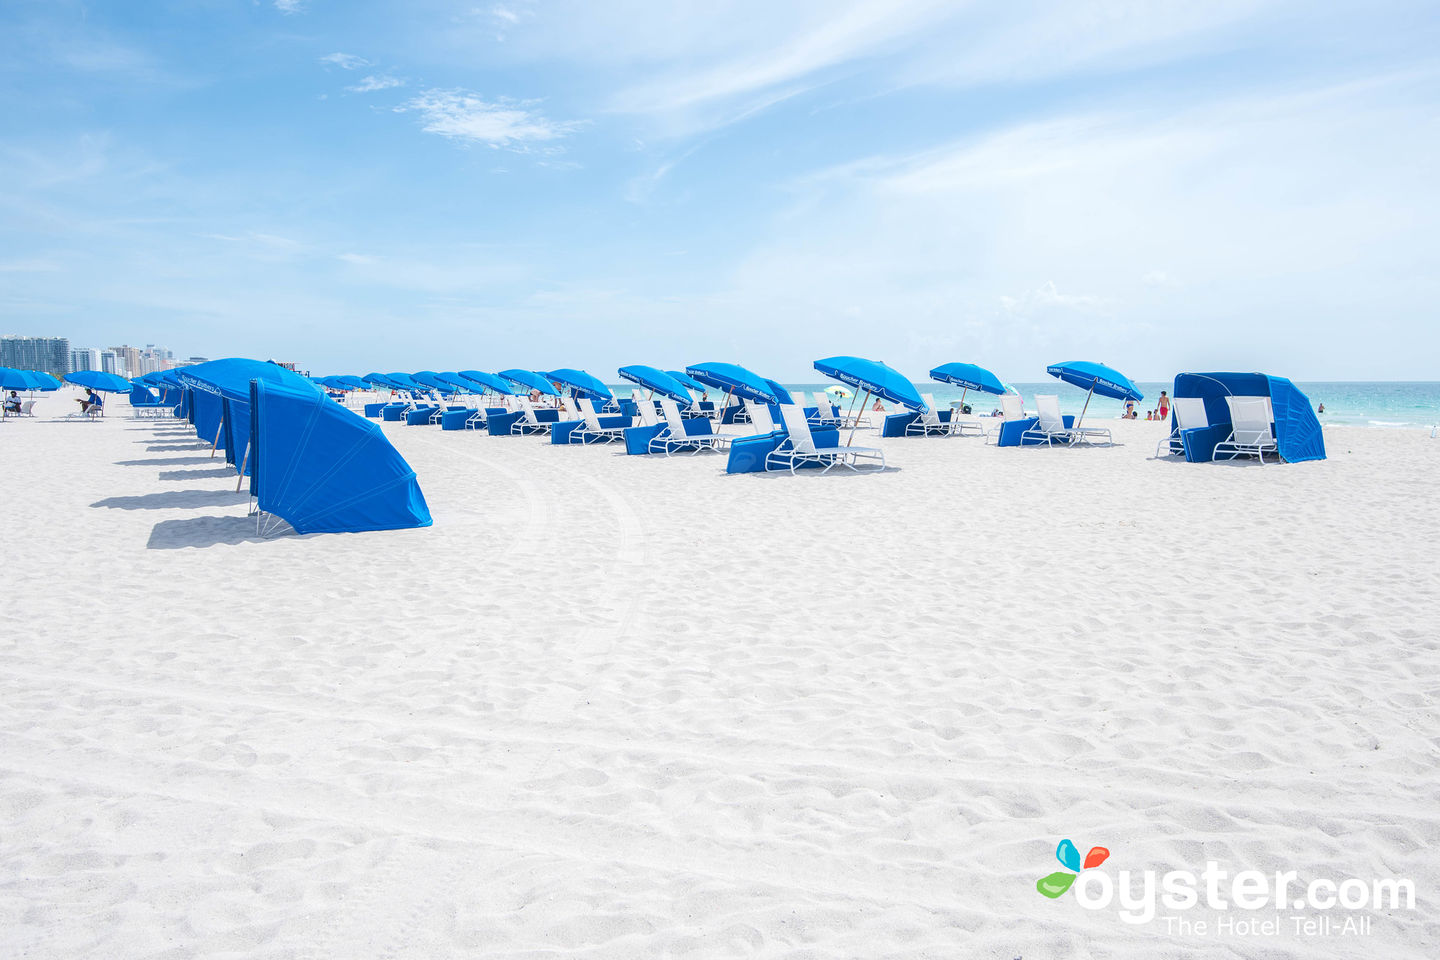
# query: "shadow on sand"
212 473
163 462
202 532
177 499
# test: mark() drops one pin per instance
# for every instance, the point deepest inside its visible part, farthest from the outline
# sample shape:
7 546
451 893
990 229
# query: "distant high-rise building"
48 354
84 358
128 358
198 360
110 362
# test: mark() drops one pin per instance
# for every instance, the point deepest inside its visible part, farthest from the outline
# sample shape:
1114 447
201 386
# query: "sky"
1161 186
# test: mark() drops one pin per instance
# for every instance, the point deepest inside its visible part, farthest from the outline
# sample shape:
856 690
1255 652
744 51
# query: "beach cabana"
323 469
1295 428
219 401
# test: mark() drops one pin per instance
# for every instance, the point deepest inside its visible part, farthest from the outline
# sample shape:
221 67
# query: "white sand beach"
624 707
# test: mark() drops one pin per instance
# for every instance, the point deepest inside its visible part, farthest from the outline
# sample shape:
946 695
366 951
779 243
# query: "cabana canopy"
530 380
220 400
1298 436
652 378
323 469
582 383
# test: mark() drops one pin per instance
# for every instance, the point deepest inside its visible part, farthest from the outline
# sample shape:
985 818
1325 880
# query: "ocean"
1355 403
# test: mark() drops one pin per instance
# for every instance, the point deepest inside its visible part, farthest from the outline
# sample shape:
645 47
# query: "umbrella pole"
850 415
216 445
955 417
720 413
1086 407
856 423
244 459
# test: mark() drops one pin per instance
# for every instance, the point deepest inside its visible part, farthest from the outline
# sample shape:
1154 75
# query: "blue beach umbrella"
657 381
433 380
531 380
581 382
404 381
685 380
781 394
99 380
43 381
11 379
872 376
488 382
968 377
734 380
1094 378
379 380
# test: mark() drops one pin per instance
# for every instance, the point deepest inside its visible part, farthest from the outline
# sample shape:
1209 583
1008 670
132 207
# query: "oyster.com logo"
1059 881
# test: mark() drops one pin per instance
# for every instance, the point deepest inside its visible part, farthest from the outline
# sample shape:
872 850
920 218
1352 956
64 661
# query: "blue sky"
1158 185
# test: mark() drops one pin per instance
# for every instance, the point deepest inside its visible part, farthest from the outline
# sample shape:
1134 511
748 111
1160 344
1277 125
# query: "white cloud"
289 7
464 116
345 61
376 82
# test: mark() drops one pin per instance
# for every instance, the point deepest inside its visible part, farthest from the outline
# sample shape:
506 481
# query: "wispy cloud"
376 82
29 265
466 117
289 7
345 61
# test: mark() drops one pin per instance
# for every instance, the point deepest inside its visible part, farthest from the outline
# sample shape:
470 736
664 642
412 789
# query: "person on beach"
1164 405
1129 409
879 407
91 400
12 403
1319 409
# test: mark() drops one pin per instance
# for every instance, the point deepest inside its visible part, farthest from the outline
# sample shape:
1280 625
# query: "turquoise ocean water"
1376 404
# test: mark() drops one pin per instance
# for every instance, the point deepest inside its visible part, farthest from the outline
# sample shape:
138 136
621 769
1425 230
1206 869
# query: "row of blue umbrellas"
873 377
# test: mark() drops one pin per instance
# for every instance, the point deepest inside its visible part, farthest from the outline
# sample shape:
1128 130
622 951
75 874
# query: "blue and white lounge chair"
1012 407
824 410
590 430
528 424
928 422
799 448
675 439
1250 433
1189 415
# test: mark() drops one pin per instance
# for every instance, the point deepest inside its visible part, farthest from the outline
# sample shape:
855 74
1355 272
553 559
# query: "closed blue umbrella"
657 381
872 376
581 382
99 380
488 381
1094 378
531 380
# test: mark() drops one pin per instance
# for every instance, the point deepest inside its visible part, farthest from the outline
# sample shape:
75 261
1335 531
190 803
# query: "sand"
622 707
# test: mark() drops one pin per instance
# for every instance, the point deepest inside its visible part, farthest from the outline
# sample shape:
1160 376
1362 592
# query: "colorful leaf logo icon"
1058 882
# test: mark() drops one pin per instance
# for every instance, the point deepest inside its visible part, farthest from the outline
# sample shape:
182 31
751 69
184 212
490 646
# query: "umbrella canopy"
652 378
530 380
874 377
99 380
781 394
839 391
581 382
733 378
433 380
403 380
488 381
42 381
11 379
169 378
1096 378
969 376
685 380
380 380
354 383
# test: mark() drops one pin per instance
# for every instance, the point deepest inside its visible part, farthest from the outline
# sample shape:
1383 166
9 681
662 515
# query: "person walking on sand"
1164 410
